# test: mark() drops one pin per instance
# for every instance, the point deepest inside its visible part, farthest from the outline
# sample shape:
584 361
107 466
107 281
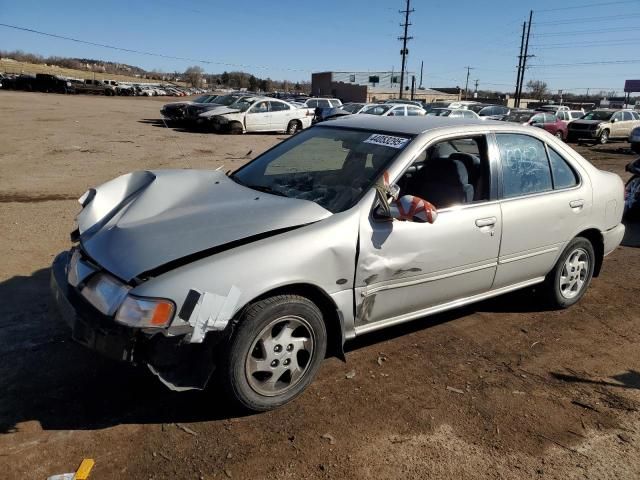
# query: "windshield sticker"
387 140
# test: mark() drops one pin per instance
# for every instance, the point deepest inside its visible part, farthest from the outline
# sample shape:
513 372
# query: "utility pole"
515 94
525 57
413 86
476 81
466 88
421 71
405 38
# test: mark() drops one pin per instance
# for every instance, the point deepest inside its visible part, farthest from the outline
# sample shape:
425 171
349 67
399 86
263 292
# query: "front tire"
567 283
604 137
274 353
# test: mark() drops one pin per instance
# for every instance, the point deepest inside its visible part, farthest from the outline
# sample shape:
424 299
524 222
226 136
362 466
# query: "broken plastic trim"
179 262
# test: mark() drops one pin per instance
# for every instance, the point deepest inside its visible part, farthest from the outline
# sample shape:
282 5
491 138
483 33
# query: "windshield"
351 107
476 108
225 99
244 103
329 166
377 109
598 115
519 117
439 112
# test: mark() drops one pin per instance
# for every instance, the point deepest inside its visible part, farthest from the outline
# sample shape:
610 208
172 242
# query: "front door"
258 117
407 269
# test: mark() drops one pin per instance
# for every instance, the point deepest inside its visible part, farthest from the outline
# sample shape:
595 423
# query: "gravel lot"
496 390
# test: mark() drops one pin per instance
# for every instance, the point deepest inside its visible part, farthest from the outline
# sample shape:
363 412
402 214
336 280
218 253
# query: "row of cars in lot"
43 82
247 112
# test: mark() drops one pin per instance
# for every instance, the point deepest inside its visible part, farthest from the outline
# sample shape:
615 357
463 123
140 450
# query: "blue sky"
287 39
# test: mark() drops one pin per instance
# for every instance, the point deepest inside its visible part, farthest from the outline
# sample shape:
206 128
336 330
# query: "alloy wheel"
280 356
574 273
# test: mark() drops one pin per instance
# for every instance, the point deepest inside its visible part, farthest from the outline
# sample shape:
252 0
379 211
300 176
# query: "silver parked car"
348 227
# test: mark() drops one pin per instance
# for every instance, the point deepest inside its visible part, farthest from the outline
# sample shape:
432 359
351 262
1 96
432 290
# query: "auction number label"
387 140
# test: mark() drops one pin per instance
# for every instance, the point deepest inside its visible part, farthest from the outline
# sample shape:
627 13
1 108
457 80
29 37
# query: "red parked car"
545 120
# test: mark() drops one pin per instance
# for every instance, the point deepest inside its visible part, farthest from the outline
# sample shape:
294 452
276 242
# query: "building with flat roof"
372 87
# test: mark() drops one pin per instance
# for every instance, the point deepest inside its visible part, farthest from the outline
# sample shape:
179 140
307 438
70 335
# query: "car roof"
406 125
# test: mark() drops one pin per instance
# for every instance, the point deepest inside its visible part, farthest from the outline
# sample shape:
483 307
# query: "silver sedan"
345 228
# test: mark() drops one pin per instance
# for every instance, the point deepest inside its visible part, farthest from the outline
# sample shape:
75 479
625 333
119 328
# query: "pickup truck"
98 87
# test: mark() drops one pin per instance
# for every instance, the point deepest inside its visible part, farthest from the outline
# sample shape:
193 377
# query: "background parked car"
452 113
634 140
176 110
392 110
258 114
491 112
568 116
545 120
193 111
603 125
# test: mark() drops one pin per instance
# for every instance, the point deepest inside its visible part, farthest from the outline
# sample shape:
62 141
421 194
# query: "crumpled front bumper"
88 326
179 365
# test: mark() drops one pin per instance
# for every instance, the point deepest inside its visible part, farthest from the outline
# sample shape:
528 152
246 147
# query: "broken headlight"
105 293
145 312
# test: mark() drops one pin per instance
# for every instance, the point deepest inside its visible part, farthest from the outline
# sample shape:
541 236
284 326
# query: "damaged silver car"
345 228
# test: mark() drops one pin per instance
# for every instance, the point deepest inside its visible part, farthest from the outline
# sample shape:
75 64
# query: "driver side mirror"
408 208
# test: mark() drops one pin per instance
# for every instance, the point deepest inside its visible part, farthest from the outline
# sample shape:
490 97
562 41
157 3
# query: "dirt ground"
496 390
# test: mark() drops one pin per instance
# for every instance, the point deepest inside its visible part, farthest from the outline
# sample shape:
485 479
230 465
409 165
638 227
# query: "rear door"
281 114
545 202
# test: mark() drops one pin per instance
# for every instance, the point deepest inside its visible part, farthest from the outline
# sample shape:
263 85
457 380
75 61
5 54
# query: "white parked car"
322 102
464 104
453 113
259 114
568 116
393 110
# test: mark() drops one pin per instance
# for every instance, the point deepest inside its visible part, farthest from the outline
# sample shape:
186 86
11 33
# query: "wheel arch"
330 312
597 241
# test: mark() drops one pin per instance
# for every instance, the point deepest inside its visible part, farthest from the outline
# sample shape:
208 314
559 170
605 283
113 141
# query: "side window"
537 118
334 103
397 112
312 103
549 118
525 168
413 111
450 172
626 116
562 115
260 107
635 115
324 104
279 106
563 174
616 117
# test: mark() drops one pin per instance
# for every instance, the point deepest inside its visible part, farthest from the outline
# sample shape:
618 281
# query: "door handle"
486 222
576 203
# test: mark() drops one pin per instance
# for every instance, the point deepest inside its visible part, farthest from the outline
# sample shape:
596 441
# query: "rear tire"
275 352
567 283
293 127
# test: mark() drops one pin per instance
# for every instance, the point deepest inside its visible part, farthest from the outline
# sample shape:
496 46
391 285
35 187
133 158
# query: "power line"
589 45
570 44
590 19
586 32
151 54
581 64
602 4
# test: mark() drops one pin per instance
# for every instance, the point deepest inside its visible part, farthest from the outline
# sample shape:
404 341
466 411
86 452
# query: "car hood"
588 122
219 111
145 220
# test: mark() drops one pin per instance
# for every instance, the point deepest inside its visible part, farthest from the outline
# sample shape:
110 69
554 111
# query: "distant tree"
193 75
266 85
537 89
224 78
253 83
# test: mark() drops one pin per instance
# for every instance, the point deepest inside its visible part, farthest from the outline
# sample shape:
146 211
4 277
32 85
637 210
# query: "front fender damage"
188 363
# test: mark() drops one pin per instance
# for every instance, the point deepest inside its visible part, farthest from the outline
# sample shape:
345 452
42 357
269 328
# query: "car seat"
443 182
